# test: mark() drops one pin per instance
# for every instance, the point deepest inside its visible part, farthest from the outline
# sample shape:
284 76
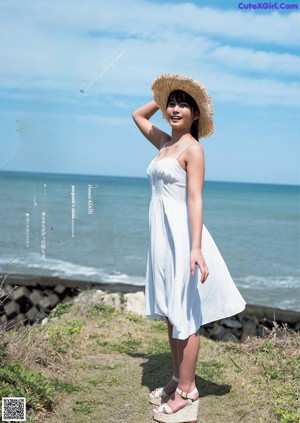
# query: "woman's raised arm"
142 116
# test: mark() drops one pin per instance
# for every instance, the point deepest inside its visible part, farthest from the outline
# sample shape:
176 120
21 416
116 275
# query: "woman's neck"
177 135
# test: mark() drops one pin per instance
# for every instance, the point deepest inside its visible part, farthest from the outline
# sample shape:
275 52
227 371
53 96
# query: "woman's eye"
183 105
171 104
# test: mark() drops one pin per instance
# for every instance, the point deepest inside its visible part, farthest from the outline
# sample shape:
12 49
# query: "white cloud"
260 91
60 46
256 60
152 20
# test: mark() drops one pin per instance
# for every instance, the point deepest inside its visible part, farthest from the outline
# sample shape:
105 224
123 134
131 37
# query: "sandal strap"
165 409
157 393
187 395
160 392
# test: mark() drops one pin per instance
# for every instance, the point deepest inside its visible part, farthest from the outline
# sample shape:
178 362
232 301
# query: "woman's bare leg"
187 355
187 351
172 384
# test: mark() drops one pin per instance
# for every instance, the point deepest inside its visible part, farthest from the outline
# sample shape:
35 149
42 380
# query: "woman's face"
180 115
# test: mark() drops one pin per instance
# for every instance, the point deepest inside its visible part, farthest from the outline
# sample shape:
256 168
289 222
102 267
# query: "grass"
92 363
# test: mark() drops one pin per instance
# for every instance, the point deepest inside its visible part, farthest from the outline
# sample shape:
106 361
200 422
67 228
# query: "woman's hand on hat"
197 259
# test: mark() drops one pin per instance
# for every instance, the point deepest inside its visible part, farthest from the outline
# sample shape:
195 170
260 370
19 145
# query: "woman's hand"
197 258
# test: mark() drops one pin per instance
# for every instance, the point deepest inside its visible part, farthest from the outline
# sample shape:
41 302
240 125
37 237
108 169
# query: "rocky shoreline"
29 299
255 320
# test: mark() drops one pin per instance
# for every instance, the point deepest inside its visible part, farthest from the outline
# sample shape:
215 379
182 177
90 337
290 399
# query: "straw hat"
164 84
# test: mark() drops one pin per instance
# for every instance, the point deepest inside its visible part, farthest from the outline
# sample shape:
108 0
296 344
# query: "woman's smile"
175 118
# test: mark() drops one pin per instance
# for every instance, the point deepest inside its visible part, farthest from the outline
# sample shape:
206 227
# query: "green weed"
104 380
102 310
128 344
17 381
61 309
93 336
122 297
61 335
286 403
275 364
31 418
134 317
64 386
159 326
278 364
105 346
85 407
111 366
2 354
158 347
237 367
212 370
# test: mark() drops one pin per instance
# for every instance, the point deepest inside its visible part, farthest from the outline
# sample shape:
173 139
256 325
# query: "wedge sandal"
189 413
159 395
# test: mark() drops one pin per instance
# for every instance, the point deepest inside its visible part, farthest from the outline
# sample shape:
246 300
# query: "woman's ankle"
187 389
171 386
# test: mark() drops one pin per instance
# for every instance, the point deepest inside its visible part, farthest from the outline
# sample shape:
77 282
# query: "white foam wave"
268 287
267 282
33 263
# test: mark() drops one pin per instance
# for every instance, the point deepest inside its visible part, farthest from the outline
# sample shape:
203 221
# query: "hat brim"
164 84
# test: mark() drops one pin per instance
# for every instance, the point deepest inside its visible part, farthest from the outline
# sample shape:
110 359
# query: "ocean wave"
277 291
272 291
33 263
267 282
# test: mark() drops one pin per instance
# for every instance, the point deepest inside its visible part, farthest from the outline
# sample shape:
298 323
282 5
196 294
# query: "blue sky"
50 50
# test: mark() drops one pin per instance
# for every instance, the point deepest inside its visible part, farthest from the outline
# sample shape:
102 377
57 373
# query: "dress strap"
181 151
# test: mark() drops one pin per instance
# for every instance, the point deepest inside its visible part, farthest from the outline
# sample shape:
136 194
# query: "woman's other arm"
195 171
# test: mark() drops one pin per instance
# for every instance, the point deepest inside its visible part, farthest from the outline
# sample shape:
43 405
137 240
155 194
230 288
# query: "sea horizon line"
61 174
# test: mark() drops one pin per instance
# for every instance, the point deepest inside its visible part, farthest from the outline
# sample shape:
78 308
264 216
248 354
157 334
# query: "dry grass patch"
102 365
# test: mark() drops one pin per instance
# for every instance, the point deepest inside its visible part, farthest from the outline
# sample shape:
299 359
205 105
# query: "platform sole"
188 414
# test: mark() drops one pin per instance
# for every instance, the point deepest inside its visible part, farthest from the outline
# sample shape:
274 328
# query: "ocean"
95 228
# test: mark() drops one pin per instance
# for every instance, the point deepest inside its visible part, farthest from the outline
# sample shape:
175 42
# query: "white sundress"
171 290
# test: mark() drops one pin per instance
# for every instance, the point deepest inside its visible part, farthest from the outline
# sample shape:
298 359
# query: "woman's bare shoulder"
194 153
195 147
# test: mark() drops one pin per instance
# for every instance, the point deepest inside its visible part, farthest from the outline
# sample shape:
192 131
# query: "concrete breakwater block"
30 304
255 320
20 295
11 309
29 299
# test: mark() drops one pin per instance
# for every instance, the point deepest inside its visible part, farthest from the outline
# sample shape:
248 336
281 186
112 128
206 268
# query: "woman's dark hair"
182 97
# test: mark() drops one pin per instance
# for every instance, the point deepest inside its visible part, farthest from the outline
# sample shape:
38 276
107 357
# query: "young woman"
187 281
